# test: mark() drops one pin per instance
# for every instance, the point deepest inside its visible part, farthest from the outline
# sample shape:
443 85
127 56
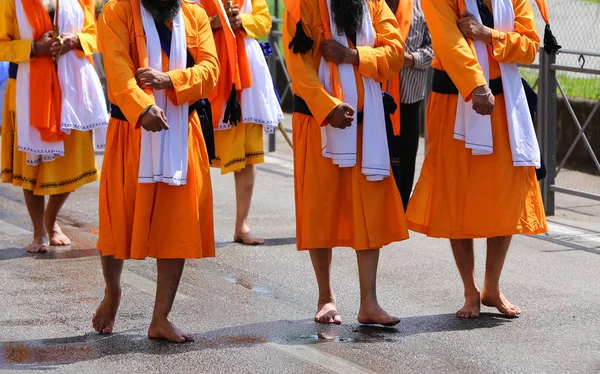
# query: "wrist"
33 49
488 35
146 110
352 57
482 91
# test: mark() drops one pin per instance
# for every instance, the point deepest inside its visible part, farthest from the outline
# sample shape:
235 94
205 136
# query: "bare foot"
497 300
373 314
471 308
103 320
57 237
38 245
247 239
166 330
327 313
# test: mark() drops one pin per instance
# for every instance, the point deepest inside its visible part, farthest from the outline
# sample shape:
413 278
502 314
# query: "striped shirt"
418 43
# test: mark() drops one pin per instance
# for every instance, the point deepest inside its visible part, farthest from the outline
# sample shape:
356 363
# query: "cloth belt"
442 84
12 70
300 106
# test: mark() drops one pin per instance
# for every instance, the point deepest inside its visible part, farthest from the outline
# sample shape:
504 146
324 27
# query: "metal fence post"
547 126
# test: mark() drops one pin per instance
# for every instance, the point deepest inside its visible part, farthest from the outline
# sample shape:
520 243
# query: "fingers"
163 121
349 109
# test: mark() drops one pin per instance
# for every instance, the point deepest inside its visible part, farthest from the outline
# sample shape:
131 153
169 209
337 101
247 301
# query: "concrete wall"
566 132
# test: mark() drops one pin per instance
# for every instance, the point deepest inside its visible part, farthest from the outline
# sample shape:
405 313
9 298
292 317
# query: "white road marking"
575 235
321 359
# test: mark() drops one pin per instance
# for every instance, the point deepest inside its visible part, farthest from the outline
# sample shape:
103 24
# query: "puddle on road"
22 354
246 284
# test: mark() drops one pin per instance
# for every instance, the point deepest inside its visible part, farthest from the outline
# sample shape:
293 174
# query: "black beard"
348 15
393 4
162 10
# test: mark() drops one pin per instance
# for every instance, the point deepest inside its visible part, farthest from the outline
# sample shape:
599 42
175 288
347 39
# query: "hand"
233 13
71 42
154 120
342 116
409 60
231 9
472 29
483 105
45 45
235 22
334 51
215 23
154 79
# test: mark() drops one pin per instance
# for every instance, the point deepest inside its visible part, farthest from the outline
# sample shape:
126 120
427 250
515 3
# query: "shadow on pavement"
271 242
53 254
49 353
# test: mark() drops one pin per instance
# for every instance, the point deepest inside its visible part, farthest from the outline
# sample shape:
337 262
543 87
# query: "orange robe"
338 206
78 166
156 220
459 195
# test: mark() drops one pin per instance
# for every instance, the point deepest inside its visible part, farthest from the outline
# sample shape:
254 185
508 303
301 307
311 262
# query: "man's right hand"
154 120
342 116
45 44
483 105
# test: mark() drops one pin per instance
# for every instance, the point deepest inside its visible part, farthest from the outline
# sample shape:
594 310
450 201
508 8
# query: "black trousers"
403 149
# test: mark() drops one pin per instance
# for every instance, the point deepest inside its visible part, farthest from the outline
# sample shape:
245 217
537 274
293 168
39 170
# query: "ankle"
114 291
328 299
491 290
472 293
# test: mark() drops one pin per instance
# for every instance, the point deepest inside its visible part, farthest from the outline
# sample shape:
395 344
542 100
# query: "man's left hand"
69 43
154 79
334 51
235 20
472 29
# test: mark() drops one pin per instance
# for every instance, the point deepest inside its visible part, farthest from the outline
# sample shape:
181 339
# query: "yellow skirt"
154 220
239 146
459 195
338 207
65 174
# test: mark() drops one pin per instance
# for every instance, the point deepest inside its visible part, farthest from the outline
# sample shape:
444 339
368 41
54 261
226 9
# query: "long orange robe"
338 206
459 195
156 220
78 166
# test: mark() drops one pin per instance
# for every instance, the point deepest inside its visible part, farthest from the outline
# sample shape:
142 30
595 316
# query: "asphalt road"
250 309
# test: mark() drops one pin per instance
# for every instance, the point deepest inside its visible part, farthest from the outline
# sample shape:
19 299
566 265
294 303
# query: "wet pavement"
250 309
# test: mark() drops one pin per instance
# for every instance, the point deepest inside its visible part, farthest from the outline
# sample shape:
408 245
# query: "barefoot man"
155 190
479 176
239 142
337 52
53 99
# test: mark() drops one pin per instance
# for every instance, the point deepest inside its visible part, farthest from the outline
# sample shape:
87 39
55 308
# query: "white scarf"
476 130
340 145
83 104
259 102
164 154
